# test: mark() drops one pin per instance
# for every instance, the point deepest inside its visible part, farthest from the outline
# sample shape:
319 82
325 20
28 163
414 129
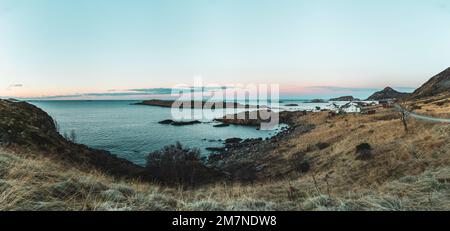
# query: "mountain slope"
436 85
388 93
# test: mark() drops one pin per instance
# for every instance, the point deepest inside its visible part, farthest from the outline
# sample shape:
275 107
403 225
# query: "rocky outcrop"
232 141
255 118
244 119
221 125
179 123
388 93
436 85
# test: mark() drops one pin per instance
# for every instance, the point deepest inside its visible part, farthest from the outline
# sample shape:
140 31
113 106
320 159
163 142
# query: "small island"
317 101
195 104
179 123
345 98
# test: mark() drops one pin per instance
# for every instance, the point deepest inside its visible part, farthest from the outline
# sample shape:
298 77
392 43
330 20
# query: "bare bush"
364 152
177 165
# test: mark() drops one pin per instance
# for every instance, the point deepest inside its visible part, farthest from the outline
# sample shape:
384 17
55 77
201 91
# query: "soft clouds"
12 86
130 93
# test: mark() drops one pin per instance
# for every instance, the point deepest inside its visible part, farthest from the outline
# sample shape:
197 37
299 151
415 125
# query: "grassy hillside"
36 183
404 171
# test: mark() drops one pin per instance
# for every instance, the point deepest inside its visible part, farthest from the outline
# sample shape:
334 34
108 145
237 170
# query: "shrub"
322 146
415 107
243 171
441 103
250 204
66 189
363 151
175 164
303 166
205 206
113 195
300 163
156 202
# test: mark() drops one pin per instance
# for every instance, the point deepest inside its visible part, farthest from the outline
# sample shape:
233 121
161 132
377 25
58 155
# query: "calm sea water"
132 131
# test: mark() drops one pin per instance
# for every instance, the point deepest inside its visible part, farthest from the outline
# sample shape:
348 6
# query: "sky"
104 49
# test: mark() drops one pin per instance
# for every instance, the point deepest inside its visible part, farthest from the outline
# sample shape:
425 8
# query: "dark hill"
388 93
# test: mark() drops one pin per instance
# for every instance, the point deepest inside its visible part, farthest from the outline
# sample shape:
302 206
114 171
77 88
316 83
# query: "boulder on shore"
233 141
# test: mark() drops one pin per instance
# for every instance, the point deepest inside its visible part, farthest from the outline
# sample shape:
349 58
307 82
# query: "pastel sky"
314 47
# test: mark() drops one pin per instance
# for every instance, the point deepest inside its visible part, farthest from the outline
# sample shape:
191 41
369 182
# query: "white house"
351 108
334 107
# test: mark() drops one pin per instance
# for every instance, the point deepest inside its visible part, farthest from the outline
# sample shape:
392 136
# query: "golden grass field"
408 171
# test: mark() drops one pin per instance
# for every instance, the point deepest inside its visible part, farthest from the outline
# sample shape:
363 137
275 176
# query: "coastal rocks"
212 140
166 122
291 105
233 141
216 149
248 118
221 125
249 159
256 118
179 123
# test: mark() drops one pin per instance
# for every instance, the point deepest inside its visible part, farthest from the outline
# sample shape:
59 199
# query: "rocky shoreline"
247 155
256 118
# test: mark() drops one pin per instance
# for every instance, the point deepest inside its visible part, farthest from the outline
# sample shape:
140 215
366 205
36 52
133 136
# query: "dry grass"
41 184
408 171
396 153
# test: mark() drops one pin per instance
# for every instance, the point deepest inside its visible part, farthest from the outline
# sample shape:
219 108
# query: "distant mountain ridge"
388 93
438 84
